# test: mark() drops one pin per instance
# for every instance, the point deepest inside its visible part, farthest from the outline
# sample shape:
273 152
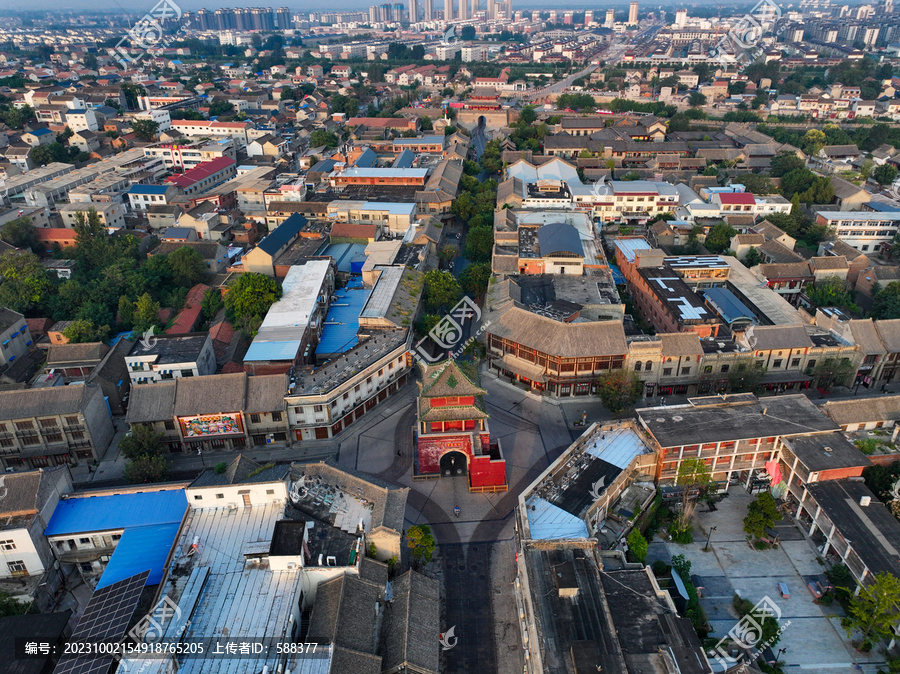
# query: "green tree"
886 301
757 184
248 300
142 440
144 449
480 244
696 99
220 107
718 240
745 377
145 129
832 371
831 291
620 391
695 478
762 513
146 469
874 610
528 115
420 542
10 606
25 283
447 252
212 303
885 174
474 278
187 265
320 137
753 258
785 162
21 234
813 141
82 330
442 291
146 313
637 545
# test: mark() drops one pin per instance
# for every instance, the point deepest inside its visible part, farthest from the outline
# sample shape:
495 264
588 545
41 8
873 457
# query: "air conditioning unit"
232 506
292 566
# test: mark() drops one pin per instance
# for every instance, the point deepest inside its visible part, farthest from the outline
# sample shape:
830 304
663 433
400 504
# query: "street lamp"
708 536
781 651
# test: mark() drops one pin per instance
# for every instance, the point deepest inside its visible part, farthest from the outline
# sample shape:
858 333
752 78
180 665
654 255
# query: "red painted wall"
486 473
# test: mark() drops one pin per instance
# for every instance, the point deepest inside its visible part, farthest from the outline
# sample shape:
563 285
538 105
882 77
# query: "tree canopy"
248 300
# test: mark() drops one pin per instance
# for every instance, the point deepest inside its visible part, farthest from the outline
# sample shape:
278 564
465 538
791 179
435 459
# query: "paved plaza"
812 633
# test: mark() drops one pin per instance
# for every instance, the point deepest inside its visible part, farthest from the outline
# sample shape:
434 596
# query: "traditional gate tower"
452 435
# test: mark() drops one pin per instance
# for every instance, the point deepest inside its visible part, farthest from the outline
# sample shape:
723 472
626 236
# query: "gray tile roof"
151 402
242 470
44 401
411 621
210 394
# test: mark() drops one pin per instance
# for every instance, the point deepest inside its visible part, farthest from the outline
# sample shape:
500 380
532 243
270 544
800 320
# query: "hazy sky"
298 5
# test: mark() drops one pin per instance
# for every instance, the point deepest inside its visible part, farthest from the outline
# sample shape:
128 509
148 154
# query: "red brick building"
452 435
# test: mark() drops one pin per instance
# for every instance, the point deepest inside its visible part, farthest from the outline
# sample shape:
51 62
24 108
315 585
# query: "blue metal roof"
40 132
148 189
118 511
343 253
727 305
286 231
404 159
367 159
139 549
261 351
882 207
342 322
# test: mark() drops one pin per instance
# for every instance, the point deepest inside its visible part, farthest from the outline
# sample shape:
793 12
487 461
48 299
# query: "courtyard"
812 633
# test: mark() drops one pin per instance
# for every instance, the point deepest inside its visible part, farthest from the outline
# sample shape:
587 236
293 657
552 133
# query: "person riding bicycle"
456 510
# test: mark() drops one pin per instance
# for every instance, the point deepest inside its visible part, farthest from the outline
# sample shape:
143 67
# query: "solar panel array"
106 618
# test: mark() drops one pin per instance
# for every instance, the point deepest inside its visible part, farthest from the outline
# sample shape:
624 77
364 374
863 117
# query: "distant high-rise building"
428 10
888 6
448 10
552 18
589 17
373 14
610 18
569 18
463 10
491 10
681 18
205 19
633 14
283 14
518 16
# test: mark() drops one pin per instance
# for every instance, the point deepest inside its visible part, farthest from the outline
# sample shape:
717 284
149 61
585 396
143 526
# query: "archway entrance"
453 464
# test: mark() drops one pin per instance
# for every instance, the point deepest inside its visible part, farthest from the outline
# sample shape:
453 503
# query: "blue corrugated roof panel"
119 511
139 549
883 207
148 189
342 322
343 253
727 305
262 351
